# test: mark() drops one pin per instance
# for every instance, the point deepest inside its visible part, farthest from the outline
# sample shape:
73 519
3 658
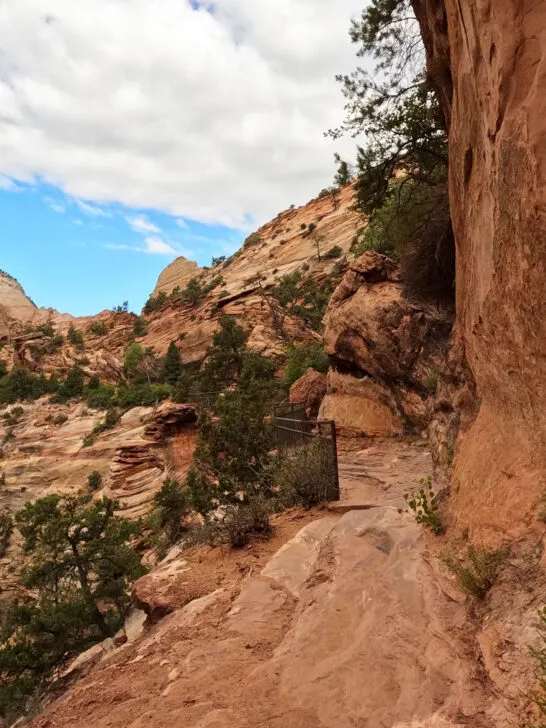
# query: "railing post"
334 451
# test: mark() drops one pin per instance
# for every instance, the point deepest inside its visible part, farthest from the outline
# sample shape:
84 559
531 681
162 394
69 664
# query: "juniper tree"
172 365
79 569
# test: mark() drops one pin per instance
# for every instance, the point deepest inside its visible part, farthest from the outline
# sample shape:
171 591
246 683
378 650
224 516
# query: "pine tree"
172 365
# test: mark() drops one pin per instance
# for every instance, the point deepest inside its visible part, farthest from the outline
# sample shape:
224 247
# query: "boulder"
309 389
384 351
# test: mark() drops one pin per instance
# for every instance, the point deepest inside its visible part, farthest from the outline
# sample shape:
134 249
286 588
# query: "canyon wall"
488 61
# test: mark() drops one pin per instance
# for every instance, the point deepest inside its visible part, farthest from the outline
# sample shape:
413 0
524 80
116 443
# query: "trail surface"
348 625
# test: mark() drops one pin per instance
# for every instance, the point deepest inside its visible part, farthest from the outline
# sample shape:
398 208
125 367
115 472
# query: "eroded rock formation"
385 351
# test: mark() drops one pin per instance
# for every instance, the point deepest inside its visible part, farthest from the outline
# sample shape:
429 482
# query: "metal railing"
294 429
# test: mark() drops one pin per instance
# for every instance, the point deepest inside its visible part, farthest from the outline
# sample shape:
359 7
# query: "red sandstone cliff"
488 61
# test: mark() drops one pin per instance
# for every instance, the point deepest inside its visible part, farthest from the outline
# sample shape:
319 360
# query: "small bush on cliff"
73 386
156 303
252 240
302 356
79 569
101 397
140 326
94 480
334 252
75 337
424 504
478 571
172 506
21 384
142 395
97 328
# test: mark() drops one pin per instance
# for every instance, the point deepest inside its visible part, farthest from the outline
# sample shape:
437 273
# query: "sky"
135 131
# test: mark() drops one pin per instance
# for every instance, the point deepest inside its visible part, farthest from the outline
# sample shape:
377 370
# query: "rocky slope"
487 59
46 453
352 622
285 245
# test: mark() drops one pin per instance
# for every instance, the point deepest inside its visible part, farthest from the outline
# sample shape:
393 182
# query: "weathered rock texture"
310 390
385 351
43 454
353 622
497 119
14 301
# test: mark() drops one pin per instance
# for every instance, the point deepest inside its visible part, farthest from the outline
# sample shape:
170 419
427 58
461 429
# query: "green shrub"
88 440
172 505
424 504
94 480
156 303
73 386
334 252
75 337
172 365
218 260
103 397
140 326
142 395
47 329
301 357
478 571
252 240
309 476
97 328
430 382
193 292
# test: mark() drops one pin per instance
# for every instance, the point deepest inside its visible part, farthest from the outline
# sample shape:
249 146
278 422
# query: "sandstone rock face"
45 454
346 625
285 246
177 274
310 389
14 300
385 351
497 122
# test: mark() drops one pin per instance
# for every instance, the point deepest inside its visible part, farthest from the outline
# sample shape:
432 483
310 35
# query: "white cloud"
158 247
92 210
182 223
77 222
57 207
211 116
141 224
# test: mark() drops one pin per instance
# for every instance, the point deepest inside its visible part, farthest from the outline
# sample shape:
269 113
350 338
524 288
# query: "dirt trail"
348 625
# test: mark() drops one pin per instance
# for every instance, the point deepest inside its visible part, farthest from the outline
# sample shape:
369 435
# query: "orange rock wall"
497 121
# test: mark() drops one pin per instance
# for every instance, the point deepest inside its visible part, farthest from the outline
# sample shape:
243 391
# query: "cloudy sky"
133 131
